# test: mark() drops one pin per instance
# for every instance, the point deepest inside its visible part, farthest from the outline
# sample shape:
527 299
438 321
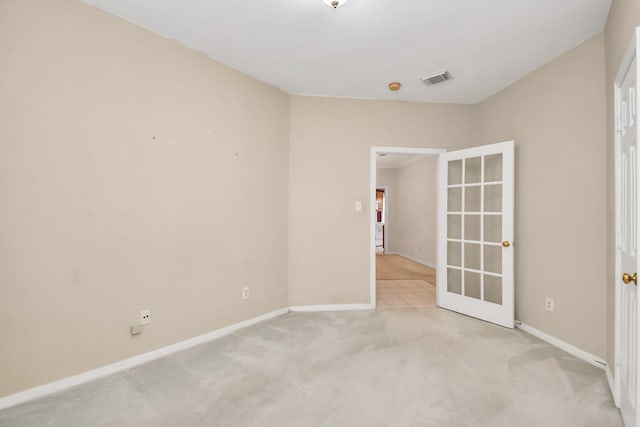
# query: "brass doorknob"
506 244
627 278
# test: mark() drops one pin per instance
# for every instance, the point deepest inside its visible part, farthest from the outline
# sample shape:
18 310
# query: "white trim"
562 345
132 362
612 383
330 307
372 202
419 261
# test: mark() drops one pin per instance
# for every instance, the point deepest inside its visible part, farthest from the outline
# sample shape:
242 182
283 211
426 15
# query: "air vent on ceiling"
439 77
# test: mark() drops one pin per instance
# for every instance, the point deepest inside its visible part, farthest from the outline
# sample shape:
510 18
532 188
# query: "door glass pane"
473 170
454 254
493 259
454 281
472 284
454 202
472 227
454 226
493 198
472 256
472 199
455 172
493 168
493 289
492 228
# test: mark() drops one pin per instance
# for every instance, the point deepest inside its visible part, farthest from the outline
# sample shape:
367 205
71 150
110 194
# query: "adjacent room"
318 213
405 230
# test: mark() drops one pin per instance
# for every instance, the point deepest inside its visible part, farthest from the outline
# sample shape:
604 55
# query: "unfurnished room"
319 213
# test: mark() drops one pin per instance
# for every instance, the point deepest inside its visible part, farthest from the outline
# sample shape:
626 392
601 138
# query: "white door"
475 232
627 245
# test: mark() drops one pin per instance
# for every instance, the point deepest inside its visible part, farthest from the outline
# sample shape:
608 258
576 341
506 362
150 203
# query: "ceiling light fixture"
334 3
394 86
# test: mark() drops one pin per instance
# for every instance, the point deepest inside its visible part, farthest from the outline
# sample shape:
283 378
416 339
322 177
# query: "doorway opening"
404 226
473 223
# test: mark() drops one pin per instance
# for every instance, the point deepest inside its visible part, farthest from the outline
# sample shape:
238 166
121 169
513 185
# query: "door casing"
375 150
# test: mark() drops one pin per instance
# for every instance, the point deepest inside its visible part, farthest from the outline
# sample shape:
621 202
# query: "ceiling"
393 161
306 47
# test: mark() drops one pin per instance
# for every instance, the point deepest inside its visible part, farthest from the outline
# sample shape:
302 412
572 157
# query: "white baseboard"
419 261
562 345
66 383
331 307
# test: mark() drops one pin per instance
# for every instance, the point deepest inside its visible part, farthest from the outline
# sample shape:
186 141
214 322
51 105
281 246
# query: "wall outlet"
145 317
245 293
549 304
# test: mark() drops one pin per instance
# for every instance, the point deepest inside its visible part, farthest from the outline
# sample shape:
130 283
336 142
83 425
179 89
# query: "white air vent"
439 77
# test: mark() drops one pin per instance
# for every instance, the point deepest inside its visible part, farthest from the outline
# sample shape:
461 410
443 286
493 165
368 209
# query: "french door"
475 232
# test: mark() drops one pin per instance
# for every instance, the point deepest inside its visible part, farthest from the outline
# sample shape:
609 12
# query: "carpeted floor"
413 367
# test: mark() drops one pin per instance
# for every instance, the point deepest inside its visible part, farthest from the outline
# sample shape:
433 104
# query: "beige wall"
624 16
134 174
329 156
412 211
386 176
556 117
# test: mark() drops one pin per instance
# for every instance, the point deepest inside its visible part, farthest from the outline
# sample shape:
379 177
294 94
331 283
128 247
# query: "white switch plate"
358 206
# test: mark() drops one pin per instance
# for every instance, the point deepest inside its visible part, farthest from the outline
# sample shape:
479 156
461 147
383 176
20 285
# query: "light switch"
358 206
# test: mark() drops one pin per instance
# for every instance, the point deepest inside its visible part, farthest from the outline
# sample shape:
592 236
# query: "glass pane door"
476 214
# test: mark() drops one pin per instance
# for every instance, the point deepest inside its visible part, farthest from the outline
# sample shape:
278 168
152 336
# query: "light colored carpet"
396 267
413 367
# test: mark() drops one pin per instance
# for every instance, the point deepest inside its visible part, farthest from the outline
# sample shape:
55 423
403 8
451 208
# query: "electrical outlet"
549 304
245 293
145 317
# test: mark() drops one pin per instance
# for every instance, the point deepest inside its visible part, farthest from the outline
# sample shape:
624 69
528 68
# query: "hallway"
402 283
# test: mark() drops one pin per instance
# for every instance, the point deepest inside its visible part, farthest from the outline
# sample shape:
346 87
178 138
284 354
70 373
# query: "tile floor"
405 293
403 283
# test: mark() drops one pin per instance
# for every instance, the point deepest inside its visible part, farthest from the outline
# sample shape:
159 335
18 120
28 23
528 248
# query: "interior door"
475 232
627 247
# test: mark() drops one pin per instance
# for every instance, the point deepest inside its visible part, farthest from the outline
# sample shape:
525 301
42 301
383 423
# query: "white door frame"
622 71
375 150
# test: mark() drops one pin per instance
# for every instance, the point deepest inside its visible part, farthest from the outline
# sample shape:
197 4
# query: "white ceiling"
393 161
306 47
